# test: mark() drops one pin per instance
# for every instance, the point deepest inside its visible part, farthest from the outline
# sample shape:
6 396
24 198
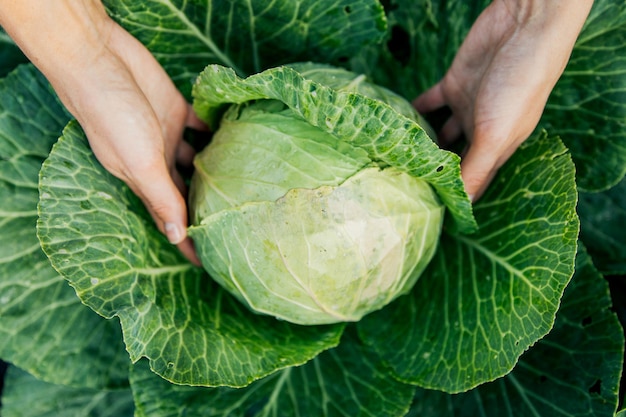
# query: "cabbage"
298 224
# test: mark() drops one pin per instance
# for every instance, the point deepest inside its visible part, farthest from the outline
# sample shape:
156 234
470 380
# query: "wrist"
55 35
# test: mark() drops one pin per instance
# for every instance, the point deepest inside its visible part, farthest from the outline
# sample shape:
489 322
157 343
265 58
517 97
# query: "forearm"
56 35
568 16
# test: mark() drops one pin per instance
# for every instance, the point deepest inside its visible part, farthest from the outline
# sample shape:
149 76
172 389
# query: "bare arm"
130 110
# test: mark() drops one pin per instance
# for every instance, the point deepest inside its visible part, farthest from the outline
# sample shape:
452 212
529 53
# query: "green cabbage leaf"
248 36
44 328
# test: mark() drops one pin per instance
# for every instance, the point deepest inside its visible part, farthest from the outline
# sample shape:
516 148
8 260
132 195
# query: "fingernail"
174 233
471 197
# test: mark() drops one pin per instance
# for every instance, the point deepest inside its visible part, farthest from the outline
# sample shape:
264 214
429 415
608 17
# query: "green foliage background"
457 345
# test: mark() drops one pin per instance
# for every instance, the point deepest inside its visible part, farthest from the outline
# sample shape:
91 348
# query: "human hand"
500 80
134 118
130 110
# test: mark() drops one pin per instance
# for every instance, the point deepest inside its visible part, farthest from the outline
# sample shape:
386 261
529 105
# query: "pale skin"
134 116
500 80
131 112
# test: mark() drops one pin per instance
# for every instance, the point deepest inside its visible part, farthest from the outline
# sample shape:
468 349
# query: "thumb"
430 100
167 207
478 168
163 199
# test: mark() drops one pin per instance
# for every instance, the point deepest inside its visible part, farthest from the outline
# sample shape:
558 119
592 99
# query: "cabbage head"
302 225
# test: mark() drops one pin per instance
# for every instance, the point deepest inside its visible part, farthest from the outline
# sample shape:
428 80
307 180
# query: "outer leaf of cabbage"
247 35
382 130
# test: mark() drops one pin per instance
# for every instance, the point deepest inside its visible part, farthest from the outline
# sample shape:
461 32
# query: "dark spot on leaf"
543 378
399 44
85 205
586 321
596 388
347 9
440 168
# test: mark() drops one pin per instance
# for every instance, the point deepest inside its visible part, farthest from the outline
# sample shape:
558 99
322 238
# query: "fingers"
134 118
430 100
479 164
163 199
450 132
185 154
193 121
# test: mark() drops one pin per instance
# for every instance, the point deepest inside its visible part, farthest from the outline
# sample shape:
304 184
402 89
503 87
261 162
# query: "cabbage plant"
511 316
302 225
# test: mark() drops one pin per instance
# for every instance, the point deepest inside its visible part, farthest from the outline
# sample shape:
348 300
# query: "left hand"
129 108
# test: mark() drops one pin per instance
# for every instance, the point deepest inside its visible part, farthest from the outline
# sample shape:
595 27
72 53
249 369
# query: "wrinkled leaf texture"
487 297
441 28
248 36
44 328
504 271
343 381
388 137
573 372
27 396
587 107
